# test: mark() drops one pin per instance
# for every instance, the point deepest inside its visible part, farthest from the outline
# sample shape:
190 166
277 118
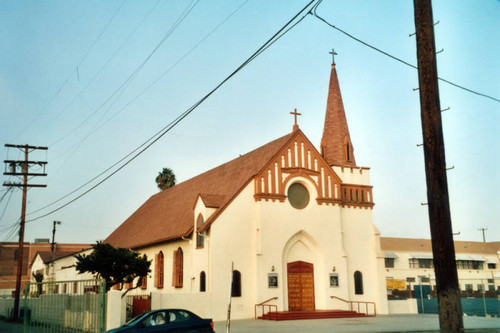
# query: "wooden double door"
300 286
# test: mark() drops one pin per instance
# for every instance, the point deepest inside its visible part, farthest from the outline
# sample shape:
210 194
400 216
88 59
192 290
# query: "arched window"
144 284
200 239
236 285
178 261
203 282
159 270
358 283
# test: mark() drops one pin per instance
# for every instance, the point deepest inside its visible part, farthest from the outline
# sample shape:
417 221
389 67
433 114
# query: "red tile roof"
212 200
169 214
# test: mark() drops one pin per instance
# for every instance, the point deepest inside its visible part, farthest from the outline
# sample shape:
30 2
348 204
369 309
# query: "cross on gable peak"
295 113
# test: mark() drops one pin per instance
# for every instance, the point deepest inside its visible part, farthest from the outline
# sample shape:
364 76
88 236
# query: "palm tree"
165 179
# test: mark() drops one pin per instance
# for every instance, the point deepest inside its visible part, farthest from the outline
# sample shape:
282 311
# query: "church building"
285 222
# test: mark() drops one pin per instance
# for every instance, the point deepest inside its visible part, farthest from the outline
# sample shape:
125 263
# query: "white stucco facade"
259 238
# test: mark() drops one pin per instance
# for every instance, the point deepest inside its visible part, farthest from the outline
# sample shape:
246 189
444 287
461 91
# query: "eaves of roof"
169 215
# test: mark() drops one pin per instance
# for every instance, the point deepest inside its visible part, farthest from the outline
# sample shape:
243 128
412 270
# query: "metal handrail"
263 305
351 303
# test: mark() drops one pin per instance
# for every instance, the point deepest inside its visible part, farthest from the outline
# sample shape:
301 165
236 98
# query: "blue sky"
61 63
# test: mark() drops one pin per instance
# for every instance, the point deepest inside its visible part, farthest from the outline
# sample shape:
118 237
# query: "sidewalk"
381 323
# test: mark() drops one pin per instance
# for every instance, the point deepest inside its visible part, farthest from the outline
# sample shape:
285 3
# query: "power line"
7 203
313 12
105 64
129 79
157 136
76 68
76 146
14 228
170 68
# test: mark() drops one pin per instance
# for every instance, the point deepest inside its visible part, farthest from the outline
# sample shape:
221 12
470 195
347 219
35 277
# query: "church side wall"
364 255
232 240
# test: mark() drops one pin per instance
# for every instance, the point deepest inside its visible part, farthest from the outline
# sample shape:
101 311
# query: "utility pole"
443 250
24 172
483 230
53 244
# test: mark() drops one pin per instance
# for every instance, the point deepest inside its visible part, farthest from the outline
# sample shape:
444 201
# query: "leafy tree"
115 265
165 179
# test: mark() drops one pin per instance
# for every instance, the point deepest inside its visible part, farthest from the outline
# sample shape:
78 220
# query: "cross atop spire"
295 113
333 53
336 145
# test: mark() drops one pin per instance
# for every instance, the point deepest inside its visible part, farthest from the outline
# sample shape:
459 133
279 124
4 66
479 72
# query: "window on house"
492 265
480 288
200 239
425 263
159 270
203 282
144 284
236 285
389 262
491 287
65 288
410 279
16 254
358 283
75 288
469 264
177 277
468 287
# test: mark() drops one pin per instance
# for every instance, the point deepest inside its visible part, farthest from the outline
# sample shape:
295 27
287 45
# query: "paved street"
393 323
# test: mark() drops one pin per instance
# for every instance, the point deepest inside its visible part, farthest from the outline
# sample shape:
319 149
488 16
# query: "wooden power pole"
443 250
12 170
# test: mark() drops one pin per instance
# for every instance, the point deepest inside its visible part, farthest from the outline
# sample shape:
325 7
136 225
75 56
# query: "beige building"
409 262
290 222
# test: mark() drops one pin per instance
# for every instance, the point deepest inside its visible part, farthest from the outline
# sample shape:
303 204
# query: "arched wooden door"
300 286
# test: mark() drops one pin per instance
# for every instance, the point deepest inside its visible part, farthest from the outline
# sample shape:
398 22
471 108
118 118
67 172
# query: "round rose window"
298 196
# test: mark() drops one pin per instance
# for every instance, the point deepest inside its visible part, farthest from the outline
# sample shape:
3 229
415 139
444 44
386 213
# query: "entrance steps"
317 314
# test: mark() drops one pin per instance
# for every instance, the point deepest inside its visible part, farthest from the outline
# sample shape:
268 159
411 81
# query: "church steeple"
336 145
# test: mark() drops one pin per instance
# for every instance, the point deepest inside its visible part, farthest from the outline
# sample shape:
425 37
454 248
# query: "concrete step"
318 314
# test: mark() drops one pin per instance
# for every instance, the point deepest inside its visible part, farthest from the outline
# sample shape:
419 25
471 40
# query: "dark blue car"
167 320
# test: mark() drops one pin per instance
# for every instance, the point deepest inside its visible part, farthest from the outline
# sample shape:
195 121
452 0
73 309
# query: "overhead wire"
13 229
11 190
127 81
75 147
157 136
315 14
73 71
99 71
170 68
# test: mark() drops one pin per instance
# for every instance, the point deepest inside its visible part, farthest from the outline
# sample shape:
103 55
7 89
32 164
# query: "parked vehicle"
166 320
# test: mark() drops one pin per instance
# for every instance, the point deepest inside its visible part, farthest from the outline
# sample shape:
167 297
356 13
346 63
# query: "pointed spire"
336 145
